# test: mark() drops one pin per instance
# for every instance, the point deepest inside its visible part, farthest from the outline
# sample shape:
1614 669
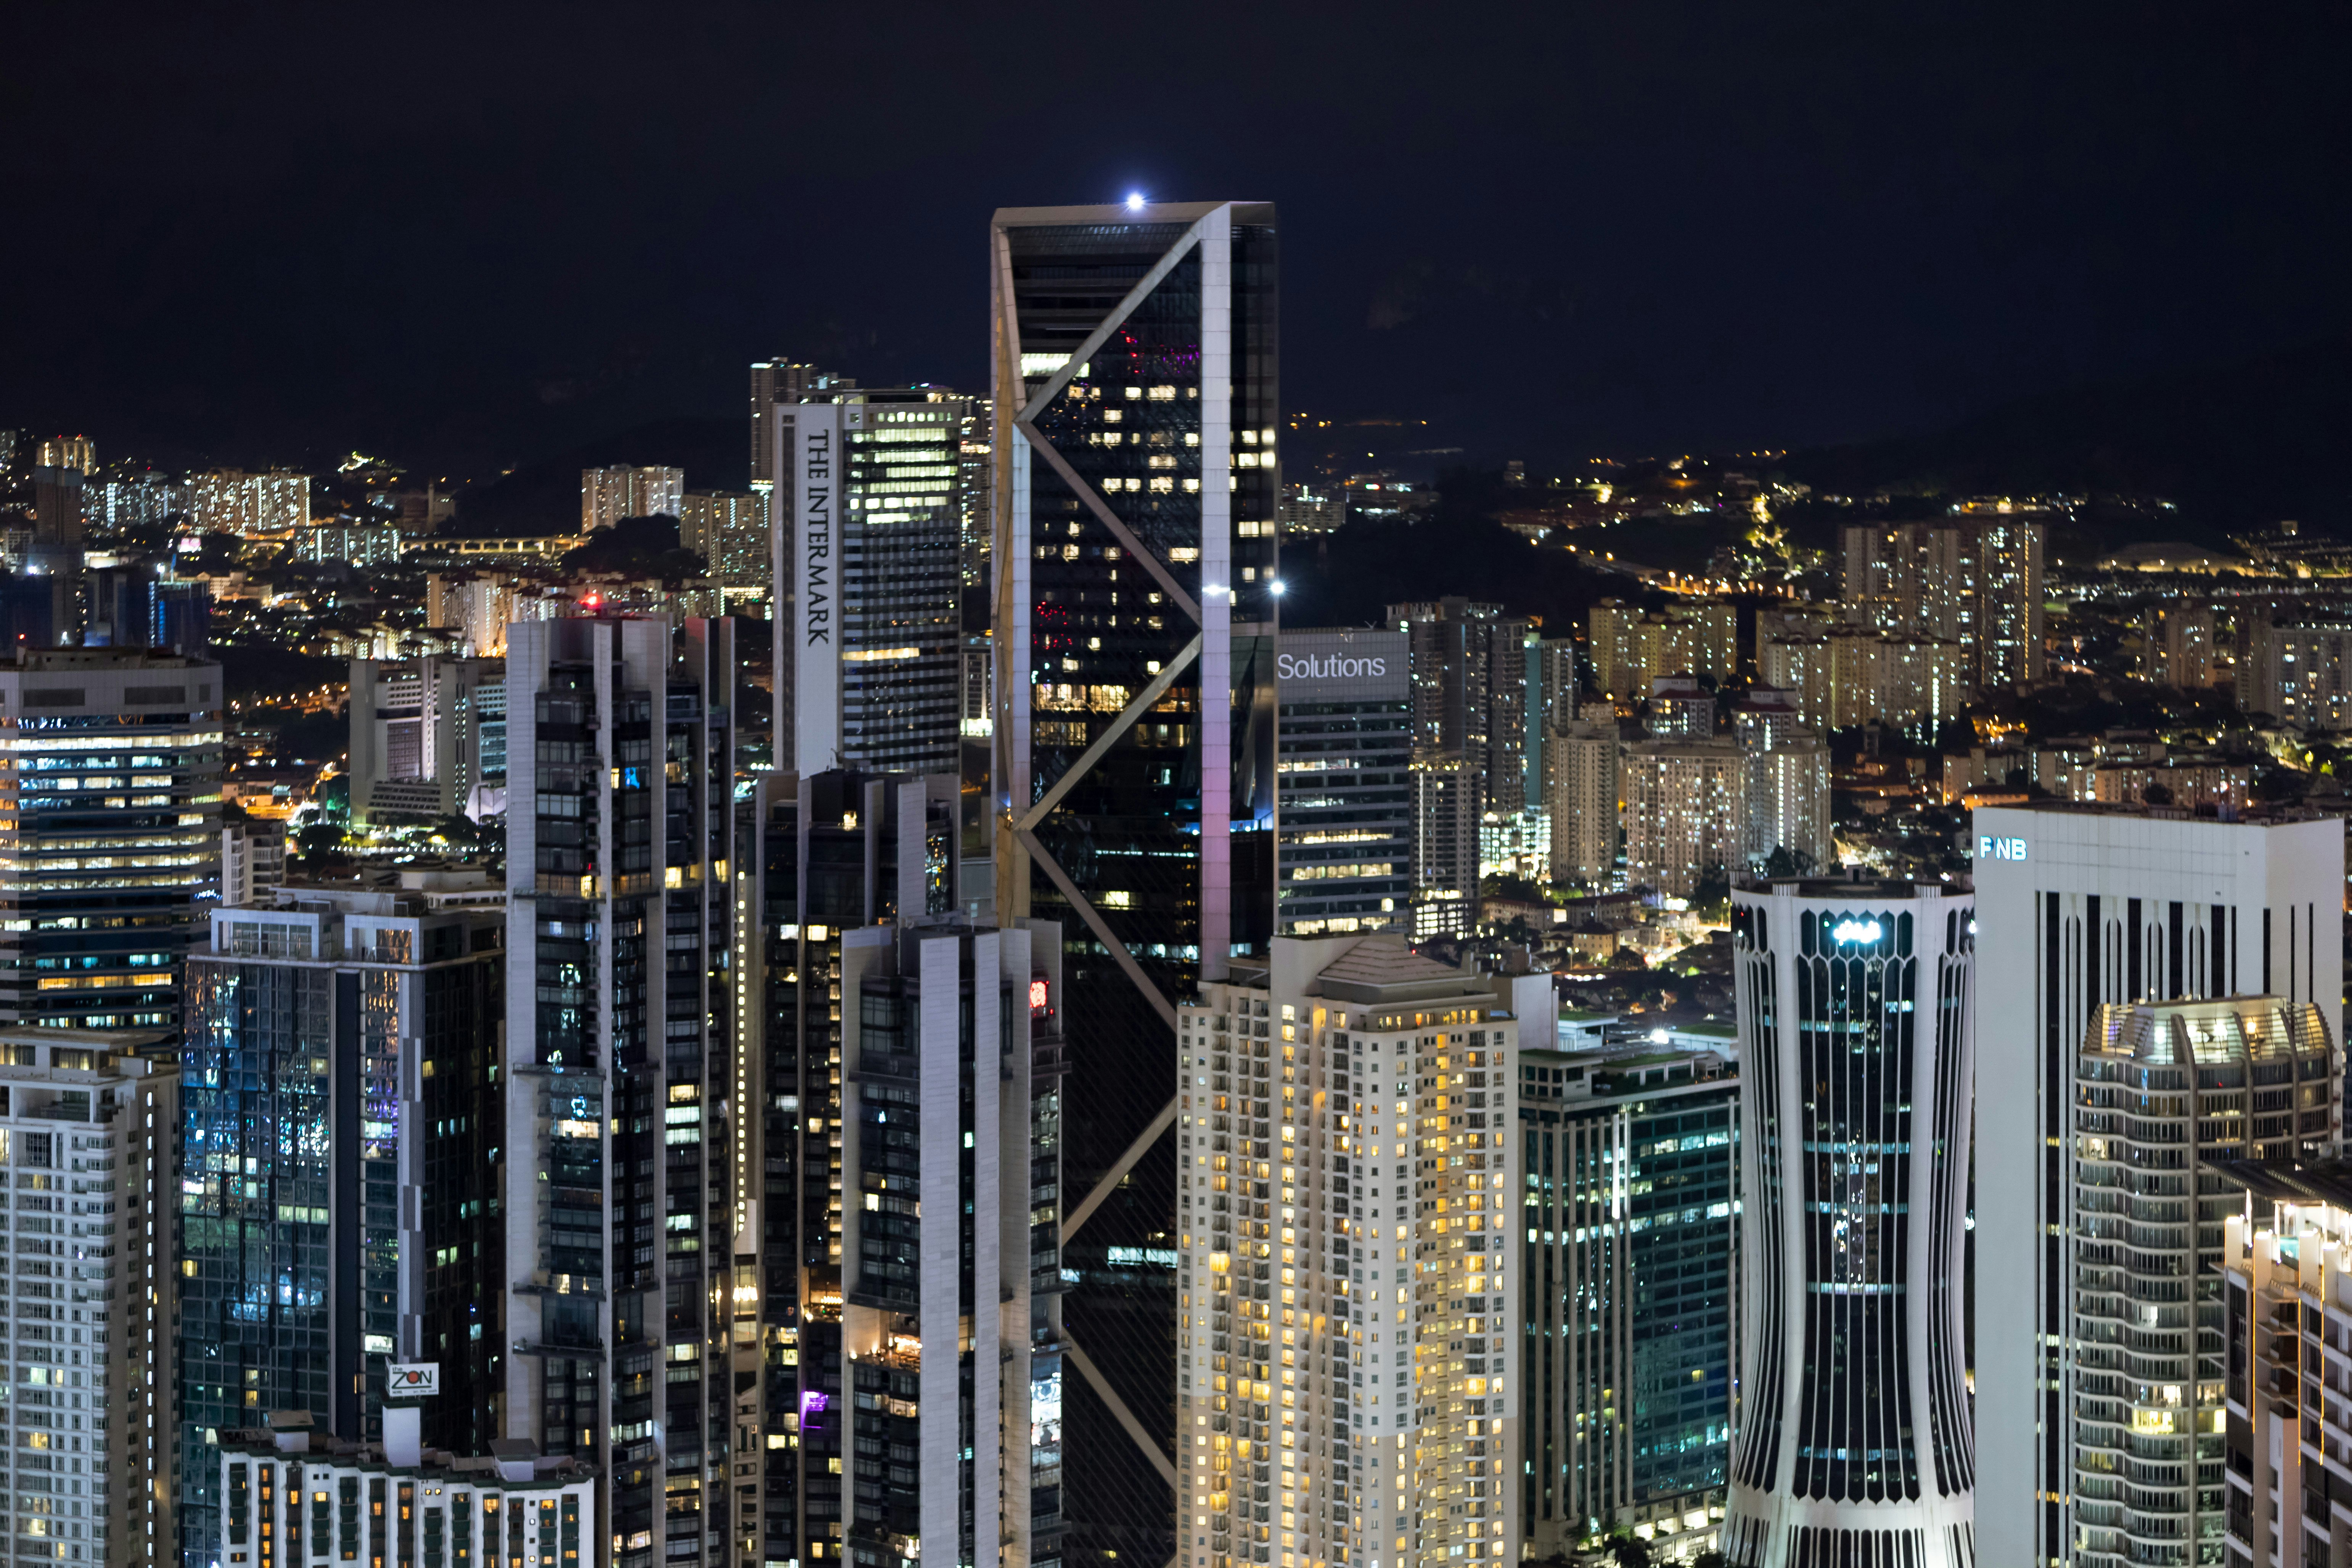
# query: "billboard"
1343 666
411 1379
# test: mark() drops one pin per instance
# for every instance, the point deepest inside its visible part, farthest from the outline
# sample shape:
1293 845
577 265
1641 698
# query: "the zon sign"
411 1379
1990 848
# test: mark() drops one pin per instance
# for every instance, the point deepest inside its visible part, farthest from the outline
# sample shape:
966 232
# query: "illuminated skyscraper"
1347 809
1974 578
1137 487
608 495
113 837
340 1068
906 1152
868 608
1350 1299
622 1205
725 528
1856 1076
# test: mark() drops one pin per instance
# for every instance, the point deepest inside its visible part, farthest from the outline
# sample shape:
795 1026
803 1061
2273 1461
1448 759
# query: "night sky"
468 235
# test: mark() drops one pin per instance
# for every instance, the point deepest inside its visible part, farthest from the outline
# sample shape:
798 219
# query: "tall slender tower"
1134 556
623 1225
1855 1093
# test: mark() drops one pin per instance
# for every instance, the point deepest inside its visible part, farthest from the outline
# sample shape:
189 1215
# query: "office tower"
2160 1090
1681 708
428 739
2077 906
1472 681
114 835
623 1182
1351 1296
1137 402
1856 1072
1973 578
976 493
1581 792
294 1495
230 500
479 609
1632 647
343 1122
1686 813
1632 1268
608 495
1445 840
79 453
2282 1272
726 528
86 1134
869 620
857 900
1345 824
2182 648
252 862
55 553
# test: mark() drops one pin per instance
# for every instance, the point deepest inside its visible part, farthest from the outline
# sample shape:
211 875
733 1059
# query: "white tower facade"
1855 1081
2081 905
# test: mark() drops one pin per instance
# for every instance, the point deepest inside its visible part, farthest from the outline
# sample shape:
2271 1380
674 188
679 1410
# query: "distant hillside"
543 497
2236 446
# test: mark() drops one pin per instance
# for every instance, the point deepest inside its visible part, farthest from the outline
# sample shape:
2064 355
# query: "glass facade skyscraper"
340 1099
1346 860
1631 1291
1137 487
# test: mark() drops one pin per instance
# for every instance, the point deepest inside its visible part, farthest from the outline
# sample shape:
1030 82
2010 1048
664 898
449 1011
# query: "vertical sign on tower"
818 453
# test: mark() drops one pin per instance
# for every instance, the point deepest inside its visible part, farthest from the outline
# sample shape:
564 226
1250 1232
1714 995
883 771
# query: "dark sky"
468 235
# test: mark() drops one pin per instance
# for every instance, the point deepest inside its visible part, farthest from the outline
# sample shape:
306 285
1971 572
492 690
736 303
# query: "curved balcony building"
2161 1089
1855 1034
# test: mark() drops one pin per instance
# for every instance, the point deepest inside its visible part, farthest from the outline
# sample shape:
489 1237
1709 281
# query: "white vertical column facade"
2055 890
940 1227
1216 591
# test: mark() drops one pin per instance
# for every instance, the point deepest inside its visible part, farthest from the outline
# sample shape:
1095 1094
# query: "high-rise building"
114 782
428 739
1685 811
1474 675
1581 792
1632 647
2182 647
1856 1076
773 382
53 557
1631 1273
1787 781
608 495
1351 1296
868 614
1136 404
1446 845
1312 509
477 608
2283 1251
252 861
295 1494
2162 1088
860 1449
1681 708
1558 684
88 1134
728 530
1973 578
1346 822
2307 674
976 493
344 1125
230 500
1846 676
79 453
623 1209
2080 906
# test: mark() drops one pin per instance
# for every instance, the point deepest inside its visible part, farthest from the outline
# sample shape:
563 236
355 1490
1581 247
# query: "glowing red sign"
1036 996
